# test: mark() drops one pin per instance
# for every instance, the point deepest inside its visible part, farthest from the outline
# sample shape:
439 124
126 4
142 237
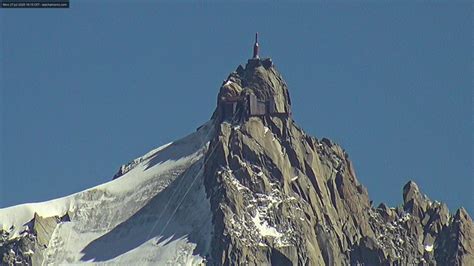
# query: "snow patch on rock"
263 227
429 248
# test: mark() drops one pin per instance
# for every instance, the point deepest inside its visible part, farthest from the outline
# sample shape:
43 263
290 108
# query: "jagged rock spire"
280 196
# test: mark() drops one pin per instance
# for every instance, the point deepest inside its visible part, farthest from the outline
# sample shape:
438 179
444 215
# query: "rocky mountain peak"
256 90
249 187
283 197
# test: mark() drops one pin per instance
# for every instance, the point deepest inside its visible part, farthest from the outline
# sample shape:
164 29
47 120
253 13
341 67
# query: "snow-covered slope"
156 213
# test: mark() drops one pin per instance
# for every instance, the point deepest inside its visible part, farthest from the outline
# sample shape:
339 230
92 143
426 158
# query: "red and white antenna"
256 47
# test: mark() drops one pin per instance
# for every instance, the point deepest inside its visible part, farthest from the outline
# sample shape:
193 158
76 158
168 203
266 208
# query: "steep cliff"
282 197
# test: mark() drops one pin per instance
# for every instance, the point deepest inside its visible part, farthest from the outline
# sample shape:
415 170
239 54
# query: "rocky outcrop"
282 197
28 248
455 244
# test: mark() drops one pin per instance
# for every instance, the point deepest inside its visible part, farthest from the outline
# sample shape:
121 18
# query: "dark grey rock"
281 197
28 248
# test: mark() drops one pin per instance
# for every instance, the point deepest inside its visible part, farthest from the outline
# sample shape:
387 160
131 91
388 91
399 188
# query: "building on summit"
234 100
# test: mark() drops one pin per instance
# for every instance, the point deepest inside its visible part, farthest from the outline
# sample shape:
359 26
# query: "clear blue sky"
86 89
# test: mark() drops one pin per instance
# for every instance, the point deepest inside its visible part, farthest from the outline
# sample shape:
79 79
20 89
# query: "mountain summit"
249 187
257 90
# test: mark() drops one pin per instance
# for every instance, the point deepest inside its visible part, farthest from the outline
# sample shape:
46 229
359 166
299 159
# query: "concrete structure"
247 106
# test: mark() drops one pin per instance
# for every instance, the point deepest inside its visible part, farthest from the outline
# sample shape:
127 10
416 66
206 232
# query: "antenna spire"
256 47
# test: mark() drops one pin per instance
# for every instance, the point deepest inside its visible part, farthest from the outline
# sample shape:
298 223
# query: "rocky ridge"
282 197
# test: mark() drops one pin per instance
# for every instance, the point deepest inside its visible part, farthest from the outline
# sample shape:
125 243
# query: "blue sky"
86 89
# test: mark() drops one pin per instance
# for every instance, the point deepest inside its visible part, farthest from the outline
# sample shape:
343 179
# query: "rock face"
276 196
28 249
282 197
